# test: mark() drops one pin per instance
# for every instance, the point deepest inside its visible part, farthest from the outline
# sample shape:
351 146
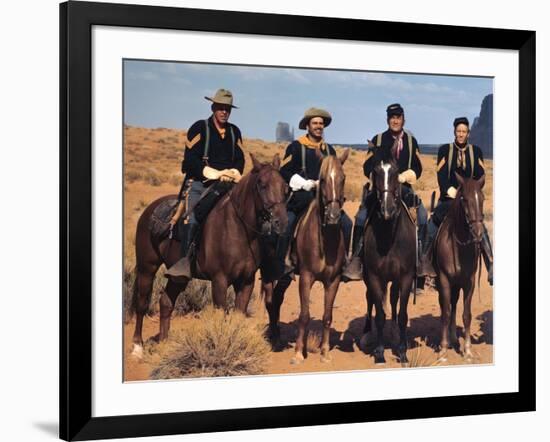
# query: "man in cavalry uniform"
213 160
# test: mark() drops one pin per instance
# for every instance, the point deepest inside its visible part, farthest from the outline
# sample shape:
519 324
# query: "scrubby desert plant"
214 344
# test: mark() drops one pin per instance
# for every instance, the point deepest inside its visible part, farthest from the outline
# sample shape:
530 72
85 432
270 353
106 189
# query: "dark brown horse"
389 253
229 253
320 250
456 260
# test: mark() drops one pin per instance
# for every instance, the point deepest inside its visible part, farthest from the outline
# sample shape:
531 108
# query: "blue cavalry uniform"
467 161
301 159
407 157
218 148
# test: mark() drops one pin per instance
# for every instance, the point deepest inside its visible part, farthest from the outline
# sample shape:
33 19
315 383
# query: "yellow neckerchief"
304 139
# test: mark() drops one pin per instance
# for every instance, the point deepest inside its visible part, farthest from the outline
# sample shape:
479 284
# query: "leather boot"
353 271
487 253
427 236
182 268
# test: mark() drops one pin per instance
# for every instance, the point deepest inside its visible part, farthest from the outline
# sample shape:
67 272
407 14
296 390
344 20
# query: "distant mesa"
283 132
481 132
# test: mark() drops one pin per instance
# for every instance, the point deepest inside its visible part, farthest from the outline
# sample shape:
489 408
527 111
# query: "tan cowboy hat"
314 112
222 96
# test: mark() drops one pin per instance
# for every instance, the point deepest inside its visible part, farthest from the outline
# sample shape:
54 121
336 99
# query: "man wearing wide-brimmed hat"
300 168
213 157
410 169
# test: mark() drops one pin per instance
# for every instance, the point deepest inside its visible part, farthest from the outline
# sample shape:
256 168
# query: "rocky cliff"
482 127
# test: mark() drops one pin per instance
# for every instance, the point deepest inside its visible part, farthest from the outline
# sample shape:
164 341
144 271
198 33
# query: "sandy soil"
350 305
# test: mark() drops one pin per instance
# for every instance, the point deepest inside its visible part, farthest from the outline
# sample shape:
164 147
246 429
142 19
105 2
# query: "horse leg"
394 298
330 295
453 337
167 303
274 297
368 323
243 291
444 288
219 291
306 281
405 292
141 297
467 318
377 291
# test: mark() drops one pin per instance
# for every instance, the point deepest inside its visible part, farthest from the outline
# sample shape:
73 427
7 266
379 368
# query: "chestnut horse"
389 253
229 253
320 253
456 260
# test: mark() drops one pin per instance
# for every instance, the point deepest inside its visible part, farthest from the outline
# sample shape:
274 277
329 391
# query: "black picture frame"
76 21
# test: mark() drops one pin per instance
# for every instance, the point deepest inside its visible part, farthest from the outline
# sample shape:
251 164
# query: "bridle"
469 222
264 215
324 203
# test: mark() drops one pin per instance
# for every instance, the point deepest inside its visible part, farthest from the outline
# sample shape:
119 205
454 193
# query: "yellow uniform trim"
240 144
441 164
480 161
286 160
190 143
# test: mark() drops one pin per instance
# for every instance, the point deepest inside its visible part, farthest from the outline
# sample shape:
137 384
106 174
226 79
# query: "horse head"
331 188
470 197
386 182
271 190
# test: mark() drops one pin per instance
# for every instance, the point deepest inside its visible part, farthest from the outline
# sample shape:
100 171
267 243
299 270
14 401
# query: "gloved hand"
409 176
451 192
297 182
309 185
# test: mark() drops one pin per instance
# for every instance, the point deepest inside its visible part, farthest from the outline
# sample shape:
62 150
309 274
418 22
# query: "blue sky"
166 94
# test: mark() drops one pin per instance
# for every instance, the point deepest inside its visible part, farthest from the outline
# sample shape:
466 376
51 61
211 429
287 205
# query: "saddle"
159 223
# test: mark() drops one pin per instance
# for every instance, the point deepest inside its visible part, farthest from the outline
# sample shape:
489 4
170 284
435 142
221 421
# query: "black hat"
461 120
394 109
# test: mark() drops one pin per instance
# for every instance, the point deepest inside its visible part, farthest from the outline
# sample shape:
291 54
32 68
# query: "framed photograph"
211 161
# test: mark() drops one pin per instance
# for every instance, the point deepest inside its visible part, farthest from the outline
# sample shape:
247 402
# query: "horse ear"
276 163
344 156
481 181
459 178
255 163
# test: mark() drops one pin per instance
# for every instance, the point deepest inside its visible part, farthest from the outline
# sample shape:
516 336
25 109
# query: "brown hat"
223 96
313 112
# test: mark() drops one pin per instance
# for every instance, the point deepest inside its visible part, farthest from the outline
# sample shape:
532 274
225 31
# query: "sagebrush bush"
214 344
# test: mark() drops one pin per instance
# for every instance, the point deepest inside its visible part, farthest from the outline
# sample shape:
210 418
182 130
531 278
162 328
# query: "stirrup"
181 269
353 270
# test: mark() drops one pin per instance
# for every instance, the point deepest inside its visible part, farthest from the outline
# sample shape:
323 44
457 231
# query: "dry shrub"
215 344
422 356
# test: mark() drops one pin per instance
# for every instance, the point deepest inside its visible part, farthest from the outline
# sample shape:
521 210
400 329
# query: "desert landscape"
152 160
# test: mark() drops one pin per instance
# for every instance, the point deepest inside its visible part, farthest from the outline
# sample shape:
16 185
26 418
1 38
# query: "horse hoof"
326 358
137 351
442 357
403 359
297 359
379 359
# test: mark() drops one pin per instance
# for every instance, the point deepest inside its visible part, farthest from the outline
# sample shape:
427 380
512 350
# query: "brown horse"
456 259
389 253
229 253
320 250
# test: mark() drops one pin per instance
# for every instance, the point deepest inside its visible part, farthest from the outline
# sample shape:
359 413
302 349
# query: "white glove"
310 184
297 182
451 192
409 176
